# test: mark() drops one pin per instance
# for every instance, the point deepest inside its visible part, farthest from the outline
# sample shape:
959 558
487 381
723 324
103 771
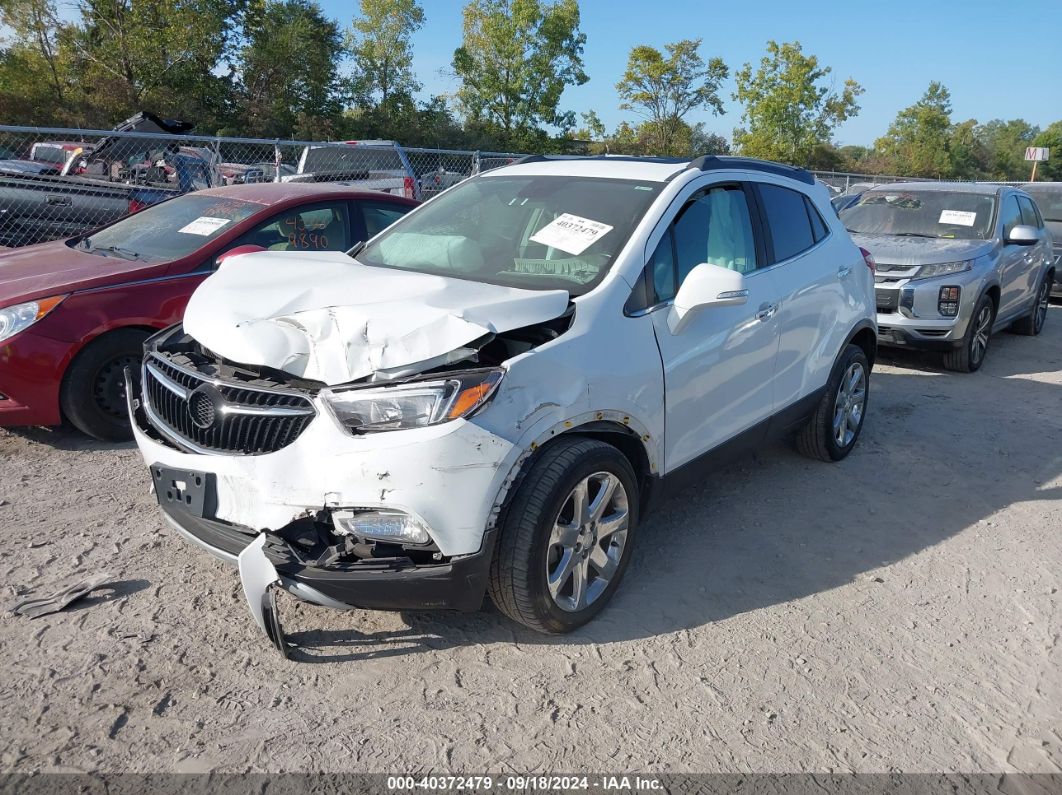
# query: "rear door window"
787 220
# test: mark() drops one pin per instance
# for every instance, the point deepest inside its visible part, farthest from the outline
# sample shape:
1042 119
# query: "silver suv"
955 263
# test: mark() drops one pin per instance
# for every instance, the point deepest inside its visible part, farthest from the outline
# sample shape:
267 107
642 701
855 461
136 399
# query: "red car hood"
54 268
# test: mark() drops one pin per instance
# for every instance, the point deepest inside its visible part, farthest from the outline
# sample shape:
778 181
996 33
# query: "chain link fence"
56 183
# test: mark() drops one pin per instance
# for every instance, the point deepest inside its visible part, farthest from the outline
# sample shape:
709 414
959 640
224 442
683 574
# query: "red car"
74 313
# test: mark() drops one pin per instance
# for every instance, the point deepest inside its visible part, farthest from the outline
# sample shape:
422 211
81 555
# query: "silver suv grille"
213 416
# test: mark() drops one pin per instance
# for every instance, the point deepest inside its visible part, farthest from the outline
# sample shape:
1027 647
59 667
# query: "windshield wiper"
118 251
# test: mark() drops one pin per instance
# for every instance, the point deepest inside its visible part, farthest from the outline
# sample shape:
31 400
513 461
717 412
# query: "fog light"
392 526
948 301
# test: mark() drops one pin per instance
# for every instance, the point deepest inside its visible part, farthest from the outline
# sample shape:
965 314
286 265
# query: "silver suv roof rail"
702 163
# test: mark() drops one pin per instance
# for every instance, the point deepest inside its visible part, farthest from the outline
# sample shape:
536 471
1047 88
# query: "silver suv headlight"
20 317
942 269
413 404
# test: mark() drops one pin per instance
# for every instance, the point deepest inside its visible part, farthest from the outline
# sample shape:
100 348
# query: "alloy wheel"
587 541
848 405
982 330
1041 306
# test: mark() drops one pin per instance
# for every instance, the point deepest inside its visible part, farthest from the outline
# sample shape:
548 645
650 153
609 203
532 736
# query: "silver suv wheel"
587 542
849 404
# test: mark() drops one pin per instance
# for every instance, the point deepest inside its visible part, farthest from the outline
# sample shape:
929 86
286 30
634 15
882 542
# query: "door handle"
766 312
843 271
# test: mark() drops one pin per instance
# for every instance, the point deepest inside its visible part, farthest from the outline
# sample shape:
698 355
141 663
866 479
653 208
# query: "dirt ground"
897 612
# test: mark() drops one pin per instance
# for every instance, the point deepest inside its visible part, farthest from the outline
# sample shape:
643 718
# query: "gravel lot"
900 611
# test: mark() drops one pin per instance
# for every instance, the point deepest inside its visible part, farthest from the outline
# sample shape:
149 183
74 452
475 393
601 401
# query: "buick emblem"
202 406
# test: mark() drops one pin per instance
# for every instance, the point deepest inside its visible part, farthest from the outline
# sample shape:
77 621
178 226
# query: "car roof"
274 192
645 169
980 188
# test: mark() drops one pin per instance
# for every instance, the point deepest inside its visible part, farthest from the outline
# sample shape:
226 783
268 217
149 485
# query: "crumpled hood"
323 317
911 251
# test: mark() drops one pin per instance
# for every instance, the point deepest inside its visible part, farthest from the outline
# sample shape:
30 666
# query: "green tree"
967 155
158 55
788 110
665 89
289 82
917 143
383 55
1005 143
36 66
515 61
1051 137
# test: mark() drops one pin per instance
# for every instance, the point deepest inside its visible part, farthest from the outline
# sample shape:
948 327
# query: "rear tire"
1033 323
556 565
92 396
969 357
833 430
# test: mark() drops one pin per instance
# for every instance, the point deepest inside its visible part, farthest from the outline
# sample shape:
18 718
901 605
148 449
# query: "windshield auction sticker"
204 225
957 217
570 233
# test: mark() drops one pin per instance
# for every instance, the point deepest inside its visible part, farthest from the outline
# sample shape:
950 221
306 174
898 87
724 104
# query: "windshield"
1049 200
534 232
169 230
926 213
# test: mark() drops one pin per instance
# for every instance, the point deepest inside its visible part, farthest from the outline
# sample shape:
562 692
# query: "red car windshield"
169 230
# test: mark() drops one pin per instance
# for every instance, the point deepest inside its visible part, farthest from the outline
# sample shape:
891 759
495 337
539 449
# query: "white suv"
492 392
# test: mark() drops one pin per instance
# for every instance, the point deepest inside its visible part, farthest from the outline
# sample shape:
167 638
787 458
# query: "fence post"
278 158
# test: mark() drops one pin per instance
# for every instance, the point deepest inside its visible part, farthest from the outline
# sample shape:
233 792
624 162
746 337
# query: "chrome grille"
214 416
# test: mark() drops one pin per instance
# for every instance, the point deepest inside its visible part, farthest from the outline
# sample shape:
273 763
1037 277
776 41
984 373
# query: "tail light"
868 258
136 206
408 188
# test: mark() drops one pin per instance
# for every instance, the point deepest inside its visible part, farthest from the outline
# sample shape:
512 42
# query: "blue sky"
998 59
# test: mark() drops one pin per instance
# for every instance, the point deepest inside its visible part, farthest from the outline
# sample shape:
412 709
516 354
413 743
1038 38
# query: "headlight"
14 319
942 269
413 404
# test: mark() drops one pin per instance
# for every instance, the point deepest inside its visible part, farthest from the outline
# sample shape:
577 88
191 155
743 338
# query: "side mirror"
249 248
705 286
1023 235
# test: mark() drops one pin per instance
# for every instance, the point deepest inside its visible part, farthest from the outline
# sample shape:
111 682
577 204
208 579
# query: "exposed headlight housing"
20 317
942 269
393 526
413 404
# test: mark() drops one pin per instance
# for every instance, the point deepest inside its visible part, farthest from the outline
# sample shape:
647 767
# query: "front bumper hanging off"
272 556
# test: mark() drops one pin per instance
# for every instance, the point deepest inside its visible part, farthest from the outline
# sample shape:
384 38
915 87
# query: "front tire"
92 396
565 536
969 357
833 430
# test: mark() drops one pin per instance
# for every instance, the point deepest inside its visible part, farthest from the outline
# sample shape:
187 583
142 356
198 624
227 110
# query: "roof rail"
606 158
702 163
715 162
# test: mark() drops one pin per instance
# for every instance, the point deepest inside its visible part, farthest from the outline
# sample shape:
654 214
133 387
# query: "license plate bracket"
185 490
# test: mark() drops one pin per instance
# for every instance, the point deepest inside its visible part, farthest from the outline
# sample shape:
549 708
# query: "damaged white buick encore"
489 394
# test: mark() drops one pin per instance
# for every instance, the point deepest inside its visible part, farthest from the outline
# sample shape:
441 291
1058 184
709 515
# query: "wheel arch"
864 335
87 343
